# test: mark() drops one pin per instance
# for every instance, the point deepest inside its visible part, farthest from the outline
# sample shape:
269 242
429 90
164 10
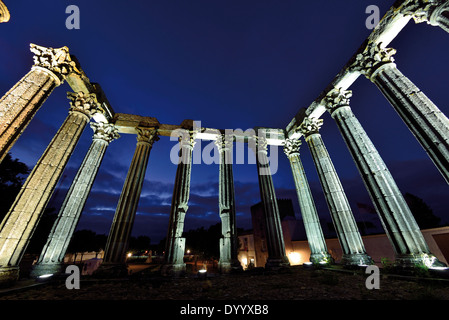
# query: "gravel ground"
294 284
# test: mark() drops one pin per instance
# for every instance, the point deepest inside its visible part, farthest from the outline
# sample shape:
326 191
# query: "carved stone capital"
84 103
147 135
258 144
224 142
310 126
336 98
372 58
4 13
187 139
58 61
104 131
420 10
292 147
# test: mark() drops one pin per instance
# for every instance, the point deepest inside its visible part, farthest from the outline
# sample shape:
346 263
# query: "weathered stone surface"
23 216
314 232
354 252
175 246
229 242
394 213
119 235
52 255
275 240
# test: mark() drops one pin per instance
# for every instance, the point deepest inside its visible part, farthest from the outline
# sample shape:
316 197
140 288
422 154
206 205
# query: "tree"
141 243
423 214
12 175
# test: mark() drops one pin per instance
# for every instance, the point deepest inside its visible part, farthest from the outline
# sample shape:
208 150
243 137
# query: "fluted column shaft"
119 235
19 224
226 198
52 255
275 238
399 224
427 123
354 252
19 105
314 232
175 245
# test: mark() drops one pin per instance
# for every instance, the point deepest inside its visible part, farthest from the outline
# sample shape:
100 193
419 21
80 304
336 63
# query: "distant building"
253 250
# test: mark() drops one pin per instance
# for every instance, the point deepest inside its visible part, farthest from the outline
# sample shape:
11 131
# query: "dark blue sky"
229 64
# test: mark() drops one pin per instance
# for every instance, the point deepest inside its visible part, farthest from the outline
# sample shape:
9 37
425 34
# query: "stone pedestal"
315 237
277 258
229 243
51 258
19 224
427 123
114 260
175 246
354 252
394 213
19 105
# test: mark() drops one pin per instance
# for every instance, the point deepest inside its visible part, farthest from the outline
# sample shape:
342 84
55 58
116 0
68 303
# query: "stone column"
175 246
434 12
4 13
114 260
399 224
345 225
19 224
275 239
427 123
51 258
19 105
229 242
315 237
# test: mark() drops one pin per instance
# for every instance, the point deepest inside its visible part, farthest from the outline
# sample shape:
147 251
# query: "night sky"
232 65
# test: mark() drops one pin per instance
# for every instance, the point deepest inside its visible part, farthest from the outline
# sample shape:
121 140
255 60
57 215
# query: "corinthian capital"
104 131
336 98
84 103
310 126
224 142
187 138
148 135
420 10
372 58
58 61
4 13
292 146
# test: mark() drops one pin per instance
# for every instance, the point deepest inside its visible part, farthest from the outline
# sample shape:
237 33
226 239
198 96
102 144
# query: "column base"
321 258
8 276
356 259
45 268
418 260
277 263
174 270
111 270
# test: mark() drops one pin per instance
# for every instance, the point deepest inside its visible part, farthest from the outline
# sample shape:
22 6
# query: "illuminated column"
434 12
19 105
315 237
428 124
399 224
229 242
114 260
351 242
275 239
4 13
52 255
175 246
18 226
